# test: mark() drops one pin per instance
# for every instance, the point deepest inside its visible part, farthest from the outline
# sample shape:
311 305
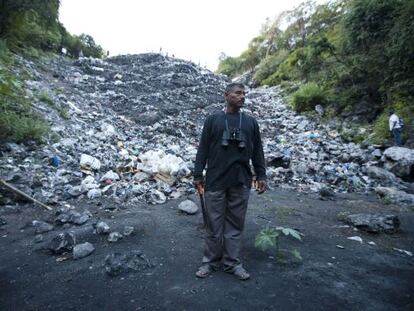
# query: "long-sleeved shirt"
229 166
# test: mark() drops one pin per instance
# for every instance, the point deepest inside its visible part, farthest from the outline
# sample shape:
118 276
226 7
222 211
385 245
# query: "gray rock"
376 153
3 222
80 219
400 161
393 195
188 207
94 193
326 193
374 223
38 238
117 264
74 217
63 242
82 250
381 174
128 230
102 228
75 191
41 226
114 237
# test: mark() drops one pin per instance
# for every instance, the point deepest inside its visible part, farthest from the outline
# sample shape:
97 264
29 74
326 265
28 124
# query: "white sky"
193 30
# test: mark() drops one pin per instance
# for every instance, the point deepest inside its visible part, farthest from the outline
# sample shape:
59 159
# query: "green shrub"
307 97
45 97
268 66
64 114
20 128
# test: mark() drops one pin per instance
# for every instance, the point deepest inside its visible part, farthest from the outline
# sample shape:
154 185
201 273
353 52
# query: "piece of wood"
14 189
165 178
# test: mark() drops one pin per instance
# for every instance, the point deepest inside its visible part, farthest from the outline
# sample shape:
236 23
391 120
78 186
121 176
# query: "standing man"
230 139
395 127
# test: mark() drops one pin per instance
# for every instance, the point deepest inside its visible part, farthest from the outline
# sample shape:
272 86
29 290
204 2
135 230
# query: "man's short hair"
234 85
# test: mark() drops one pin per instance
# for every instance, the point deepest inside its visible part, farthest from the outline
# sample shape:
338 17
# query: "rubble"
82 250
135 123
374 223
102 228
63 242
72 216
114 237
128 230
395 196
41 226
117 264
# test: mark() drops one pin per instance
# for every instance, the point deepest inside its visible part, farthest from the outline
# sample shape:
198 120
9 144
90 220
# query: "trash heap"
132 124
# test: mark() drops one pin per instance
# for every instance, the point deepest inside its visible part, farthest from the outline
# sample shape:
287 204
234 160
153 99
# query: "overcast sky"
193 30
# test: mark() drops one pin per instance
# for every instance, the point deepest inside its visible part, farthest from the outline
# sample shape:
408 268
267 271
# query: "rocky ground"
165 249
118 163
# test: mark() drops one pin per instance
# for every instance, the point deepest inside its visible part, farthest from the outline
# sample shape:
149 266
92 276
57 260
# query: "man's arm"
258 160
202 152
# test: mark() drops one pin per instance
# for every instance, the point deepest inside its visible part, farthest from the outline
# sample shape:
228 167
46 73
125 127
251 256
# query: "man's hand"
261 186
199 185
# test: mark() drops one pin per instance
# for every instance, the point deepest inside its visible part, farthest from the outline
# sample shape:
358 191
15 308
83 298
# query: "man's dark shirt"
229 166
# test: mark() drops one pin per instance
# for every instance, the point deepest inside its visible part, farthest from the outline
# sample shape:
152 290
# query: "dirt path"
357 277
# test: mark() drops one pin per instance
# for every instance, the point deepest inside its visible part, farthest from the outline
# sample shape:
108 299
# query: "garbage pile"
133 128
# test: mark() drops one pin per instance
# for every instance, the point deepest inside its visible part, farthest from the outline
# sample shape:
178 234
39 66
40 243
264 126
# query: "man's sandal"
240 273
204 271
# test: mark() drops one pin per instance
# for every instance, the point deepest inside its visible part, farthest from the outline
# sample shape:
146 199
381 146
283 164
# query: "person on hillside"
395 127
230 139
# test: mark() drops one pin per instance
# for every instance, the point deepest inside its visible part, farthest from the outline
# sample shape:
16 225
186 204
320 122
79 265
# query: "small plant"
341 216
64 114
45 97
307 97
269 238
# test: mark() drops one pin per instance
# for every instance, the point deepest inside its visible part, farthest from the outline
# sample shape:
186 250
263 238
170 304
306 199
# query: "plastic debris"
356 238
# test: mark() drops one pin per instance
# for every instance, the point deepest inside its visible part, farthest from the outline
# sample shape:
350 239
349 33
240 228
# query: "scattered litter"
340 246
404 251
114 237
355 238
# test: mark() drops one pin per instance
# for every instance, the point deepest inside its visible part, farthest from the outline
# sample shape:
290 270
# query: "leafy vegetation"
269 238
307 97
358 52
32 29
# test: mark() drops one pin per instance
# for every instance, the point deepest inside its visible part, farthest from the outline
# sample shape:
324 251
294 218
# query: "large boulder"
400 161
374 223
386 177
395 196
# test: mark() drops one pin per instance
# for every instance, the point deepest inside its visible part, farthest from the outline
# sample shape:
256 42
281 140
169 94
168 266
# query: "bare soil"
355 277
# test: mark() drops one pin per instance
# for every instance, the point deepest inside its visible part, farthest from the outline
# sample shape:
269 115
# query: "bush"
381 132
307 97
268 66
20 128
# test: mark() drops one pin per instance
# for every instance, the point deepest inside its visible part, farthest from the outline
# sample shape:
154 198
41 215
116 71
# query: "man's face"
235 97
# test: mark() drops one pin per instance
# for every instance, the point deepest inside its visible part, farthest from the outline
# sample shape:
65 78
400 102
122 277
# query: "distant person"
395 124
80 54
107 53
230 139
